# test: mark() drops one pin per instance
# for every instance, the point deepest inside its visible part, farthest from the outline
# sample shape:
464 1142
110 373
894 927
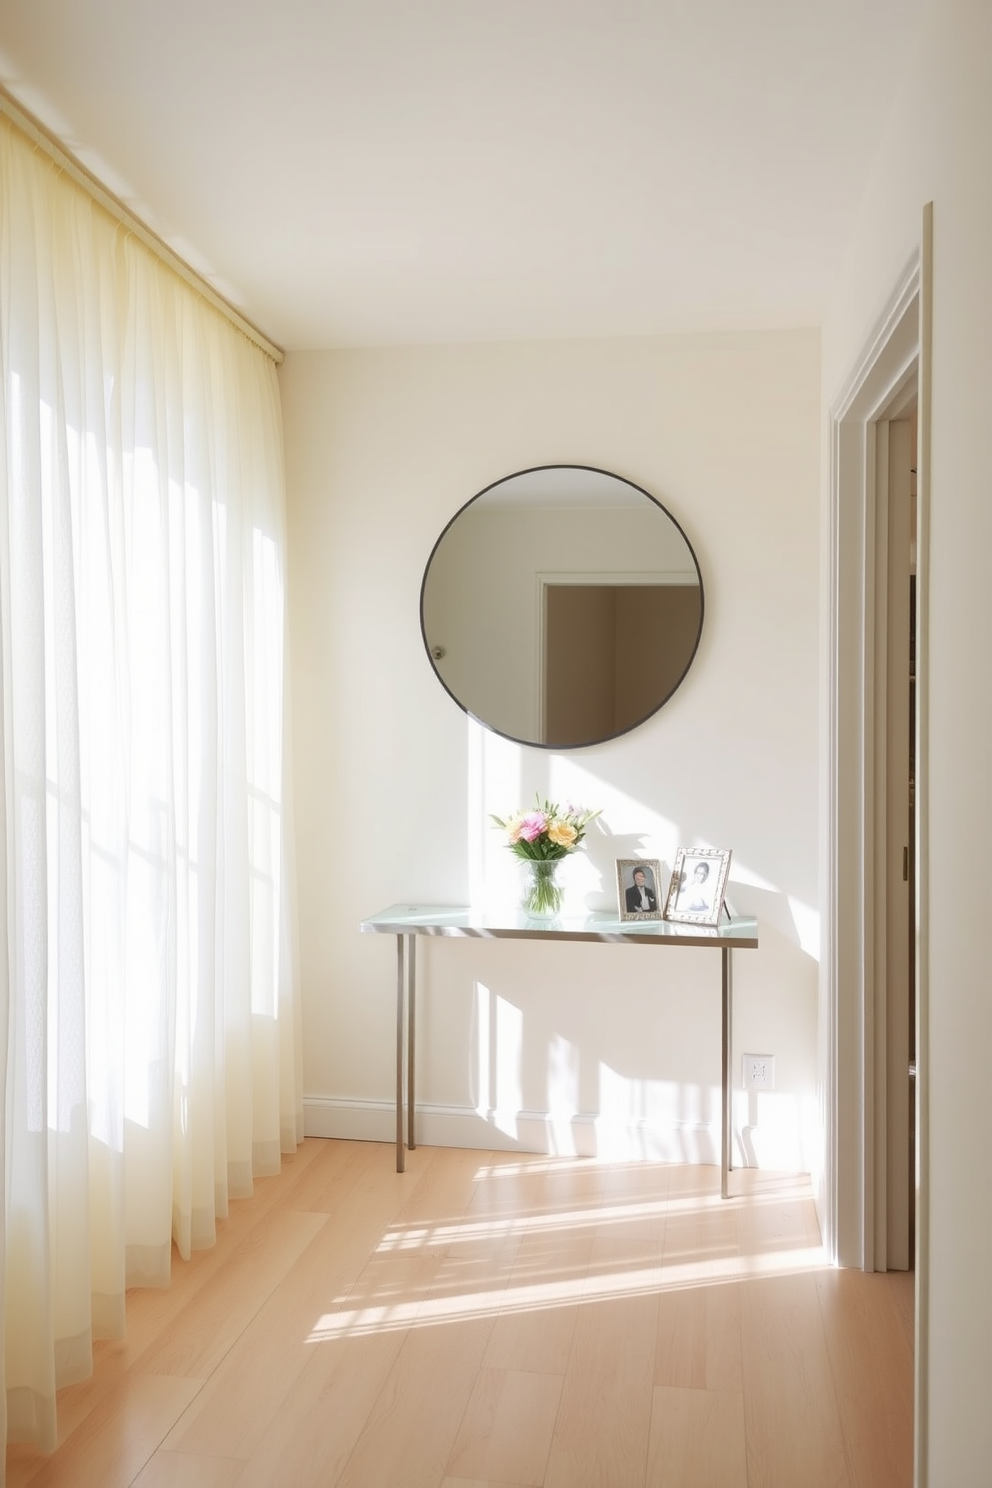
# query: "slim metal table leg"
727 1108
400 999
411 1039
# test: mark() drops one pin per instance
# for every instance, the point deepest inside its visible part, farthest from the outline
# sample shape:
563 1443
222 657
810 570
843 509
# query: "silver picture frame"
698 885
639 884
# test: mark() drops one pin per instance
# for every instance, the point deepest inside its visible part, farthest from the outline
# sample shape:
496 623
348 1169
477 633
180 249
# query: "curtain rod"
40 136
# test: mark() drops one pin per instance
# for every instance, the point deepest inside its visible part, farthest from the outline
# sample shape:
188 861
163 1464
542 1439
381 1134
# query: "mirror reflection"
562 606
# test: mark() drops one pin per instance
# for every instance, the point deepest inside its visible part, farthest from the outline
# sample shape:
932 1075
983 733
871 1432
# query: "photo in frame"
698 884
639 894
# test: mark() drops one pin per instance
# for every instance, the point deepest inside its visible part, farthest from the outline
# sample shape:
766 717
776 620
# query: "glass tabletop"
510 923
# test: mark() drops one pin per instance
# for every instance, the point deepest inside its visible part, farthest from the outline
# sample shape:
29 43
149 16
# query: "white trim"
114 207
879 384
894 365
921 1403
654 577
544 1132
541 659
885 347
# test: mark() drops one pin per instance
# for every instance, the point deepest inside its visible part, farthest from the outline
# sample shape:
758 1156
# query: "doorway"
895 833
865 1078
612 649
876 428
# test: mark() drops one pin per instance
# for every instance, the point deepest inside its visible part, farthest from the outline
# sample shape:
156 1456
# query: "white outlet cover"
758 1071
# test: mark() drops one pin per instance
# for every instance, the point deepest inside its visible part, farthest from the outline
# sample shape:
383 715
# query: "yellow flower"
513 827
562 833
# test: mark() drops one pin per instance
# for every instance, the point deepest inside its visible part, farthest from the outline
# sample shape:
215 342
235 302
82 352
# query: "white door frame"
893 365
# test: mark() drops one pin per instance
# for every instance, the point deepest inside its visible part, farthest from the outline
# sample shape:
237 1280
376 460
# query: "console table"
407 921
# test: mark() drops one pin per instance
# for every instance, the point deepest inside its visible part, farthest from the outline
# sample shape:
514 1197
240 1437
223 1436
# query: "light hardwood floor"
504 1320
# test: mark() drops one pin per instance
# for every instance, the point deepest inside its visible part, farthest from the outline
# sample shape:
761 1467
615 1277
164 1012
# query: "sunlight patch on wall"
768 1131
742 874
496 1075
654 1102
480 1089
623 815
508 1051
495 788
807 922
656 1120
563 1092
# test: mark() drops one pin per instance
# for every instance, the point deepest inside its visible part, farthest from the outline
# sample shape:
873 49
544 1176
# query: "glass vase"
541 893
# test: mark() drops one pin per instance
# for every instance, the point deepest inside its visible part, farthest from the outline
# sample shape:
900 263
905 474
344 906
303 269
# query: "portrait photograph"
698 884
639 889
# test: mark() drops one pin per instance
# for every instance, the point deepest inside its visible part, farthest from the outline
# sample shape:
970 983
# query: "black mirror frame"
620 733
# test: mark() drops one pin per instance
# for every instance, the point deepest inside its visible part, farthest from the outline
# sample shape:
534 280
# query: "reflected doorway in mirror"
562 606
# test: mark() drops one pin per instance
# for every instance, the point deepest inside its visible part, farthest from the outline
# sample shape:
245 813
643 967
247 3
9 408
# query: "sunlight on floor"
686 1238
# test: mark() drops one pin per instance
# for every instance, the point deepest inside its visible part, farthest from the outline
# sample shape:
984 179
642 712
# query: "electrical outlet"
759 1071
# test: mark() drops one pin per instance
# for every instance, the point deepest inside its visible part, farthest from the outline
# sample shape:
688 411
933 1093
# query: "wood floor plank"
867 1346
176 1470
535 1323
420 1263
409 1435
202 1332
119 1436
792 1416
474 1270
603 1427
326 1183
699 1338
500 1320
320 1420
903 1292
697 1439
444 1188
247 1389
476 1483
779 1229
23 1463
153 1311
507 1427
507 1186
699 1326
535 1326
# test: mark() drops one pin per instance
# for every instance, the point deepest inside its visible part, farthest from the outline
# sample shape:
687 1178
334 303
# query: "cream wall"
581 1048
938 149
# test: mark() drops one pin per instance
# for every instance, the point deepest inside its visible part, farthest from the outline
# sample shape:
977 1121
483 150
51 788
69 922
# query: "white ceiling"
381 172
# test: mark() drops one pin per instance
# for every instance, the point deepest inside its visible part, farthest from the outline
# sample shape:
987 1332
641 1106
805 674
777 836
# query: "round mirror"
562 606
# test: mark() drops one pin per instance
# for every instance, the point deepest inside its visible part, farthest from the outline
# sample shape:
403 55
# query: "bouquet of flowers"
541 838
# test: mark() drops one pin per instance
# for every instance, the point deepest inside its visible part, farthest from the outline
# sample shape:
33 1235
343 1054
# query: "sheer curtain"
148 1012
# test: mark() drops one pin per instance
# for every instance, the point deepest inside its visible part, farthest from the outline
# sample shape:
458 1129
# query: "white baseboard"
521 1131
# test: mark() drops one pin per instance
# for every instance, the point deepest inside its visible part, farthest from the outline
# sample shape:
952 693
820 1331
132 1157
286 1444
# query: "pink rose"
533 825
